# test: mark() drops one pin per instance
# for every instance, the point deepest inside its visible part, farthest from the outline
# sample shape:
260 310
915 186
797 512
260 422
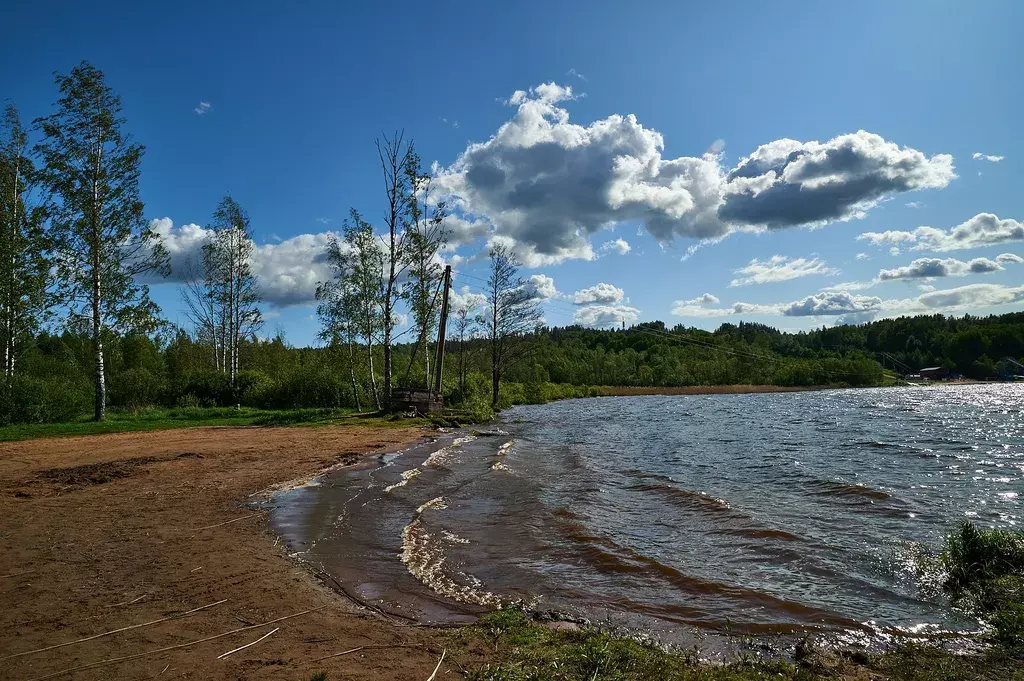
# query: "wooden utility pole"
441 329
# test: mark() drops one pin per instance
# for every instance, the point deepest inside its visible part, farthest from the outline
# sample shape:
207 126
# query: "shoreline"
140 554
159 540
738 389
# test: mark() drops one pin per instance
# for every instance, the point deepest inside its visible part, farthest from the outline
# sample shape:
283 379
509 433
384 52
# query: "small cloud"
620 246
574 72
914 204
705 299
323 221
991 158
862 256
275 237
717 147
455 124
203 108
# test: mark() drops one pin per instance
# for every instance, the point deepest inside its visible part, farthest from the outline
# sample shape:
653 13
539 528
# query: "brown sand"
102 532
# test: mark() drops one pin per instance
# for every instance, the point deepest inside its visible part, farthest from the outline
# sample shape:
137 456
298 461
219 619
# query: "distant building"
935 373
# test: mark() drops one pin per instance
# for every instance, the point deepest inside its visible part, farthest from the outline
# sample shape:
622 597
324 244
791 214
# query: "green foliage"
158 371
985 570
135 389
29 399
526 651
976 556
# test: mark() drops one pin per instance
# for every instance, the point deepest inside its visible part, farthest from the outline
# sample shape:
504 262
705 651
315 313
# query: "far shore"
626 391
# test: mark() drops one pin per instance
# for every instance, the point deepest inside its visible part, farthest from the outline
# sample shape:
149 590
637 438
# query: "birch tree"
395 155
427 236
100 239
24 264
351 303
465 325
512 315
231 283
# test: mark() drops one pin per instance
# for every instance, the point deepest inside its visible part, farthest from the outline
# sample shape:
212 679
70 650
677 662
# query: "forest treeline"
173 368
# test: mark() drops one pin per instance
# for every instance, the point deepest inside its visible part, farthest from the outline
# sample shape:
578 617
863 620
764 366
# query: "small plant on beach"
319 676
985 576
974 556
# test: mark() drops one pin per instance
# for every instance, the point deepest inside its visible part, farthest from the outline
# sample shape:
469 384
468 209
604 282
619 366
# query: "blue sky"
296 95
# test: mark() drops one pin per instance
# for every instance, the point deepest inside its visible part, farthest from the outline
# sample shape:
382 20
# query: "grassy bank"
984 575
528 651
188 417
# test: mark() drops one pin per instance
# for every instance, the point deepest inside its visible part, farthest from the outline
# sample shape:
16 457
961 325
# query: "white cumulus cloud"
599 293
541 286
549 184
927 268
984 229
703 299
620 246
287 272
605 315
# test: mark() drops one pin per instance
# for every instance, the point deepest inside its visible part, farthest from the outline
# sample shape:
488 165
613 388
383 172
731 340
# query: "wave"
687 498
444 454
605 556
837 488
423 555
406 477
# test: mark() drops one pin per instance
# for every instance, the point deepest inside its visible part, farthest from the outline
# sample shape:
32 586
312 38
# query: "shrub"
210 388
135 389
27 399
255 388
986 576
974 556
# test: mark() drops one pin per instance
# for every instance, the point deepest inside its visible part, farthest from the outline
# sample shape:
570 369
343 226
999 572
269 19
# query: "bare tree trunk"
387 343
426 360
10 318
352 371
100 410
231 310
495 363
373 379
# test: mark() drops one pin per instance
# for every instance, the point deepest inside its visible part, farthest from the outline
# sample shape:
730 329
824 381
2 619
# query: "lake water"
758 514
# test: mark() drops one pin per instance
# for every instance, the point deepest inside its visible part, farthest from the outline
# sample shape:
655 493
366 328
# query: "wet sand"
154 534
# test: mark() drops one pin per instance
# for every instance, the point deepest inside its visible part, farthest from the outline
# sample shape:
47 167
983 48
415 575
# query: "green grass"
526 651
985 576
187 417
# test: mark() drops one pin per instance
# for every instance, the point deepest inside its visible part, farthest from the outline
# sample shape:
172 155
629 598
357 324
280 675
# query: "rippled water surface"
760 513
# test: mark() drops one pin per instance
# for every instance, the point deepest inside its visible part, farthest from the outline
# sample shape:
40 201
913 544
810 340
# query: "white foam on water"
424 557
453 538
406 477
444 454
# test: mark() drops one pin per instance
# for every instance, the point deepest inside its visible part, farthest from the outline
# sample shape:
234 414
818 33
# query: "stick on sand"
443 653
115 631
221 657
125 658
226 522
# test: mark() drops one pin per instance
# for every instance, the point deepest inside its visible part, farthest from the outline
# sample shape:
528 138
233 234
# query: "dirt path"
113 531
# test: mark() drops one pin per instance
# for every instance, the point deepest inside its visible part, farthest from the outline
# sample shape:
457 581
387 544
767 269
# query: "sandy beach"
138 555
